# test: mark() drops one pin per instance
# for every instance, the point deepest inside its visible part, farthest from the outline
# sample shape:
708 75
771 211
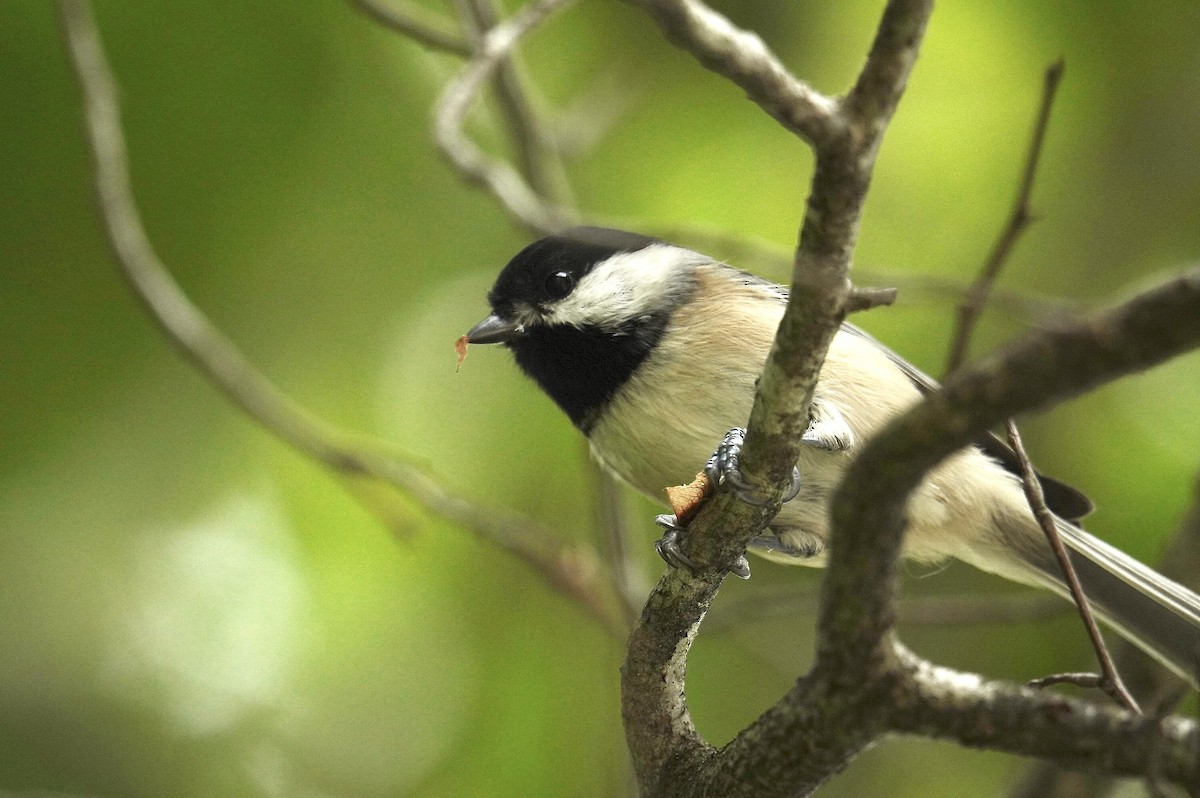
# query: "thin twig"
1110 680
868 523
574 571
515 194
1155 687
968 314
537 160
1020 217
416 23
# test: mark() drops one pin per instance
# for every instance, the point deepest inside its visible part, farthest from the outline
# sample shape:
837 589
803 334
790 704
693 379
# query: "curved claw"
668 548
722 468
740 568
794 488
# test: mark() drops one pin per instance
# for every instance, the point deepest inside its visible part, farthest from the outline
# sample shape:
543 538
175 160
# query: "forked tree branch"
1155 687
856 650
864 683
574 571
520 200
742 57
968 315
668 753
538 161
1048 366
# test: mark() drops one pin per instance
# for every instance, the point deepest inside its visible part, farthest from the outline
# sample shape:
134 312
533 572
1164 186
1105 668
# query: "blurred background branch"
573 570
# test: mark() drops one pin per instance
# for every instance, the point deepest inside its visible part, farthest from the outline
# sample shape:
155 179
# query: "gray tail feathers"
1160 616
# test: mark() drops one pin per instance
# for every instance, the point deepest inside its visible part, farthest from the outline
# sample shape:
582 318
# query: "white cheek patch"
626 287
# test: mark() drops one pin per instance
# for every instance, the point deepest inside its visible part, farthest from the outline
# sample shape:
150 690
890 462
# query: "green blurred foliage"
189 608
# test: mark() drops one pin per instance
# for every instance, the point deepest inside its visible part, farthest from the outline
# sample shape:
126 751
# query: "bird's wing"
1065 501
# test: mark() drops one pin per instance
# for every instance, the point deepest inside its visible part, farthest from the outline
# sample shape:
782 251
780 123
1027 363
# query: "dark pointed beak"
494 330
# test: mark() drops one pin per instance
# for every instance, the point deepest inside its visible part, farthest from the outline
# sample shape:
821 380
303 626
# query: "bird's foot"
722 469
670 549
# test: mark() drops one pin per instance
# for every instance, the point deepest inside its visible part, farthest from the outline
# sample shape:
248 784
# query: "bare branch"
1018 220
1046 366
743 58
538 161
820 289
416 23
1153 685
1110 678
519 199
573 571
659 729
942 704
864 683
968 314
881 82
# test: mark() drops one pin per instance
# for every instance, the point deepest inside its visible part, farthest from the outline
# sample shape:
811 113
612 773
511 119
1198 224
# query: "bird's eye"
559 284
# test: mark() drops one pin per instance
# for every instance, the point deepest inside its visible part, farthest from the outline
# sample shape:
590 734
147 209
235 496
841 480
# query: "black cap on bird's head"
546 272
581 345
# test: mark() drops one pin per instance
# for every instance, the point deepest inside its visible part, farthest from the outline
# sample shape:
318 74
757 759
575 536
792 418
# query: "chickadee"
653 351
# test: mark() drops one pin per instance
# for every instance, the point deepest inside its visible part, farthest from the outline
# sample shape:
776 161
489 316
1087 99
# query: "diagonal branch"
1020 217
574 572
416 23
864 682
969 311
743 58
1110 678
942 704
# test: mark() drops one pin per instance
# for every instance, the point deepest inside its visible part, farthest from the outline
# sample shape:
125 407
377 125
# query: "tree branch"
667 751
573 571
1110 678
416 23
864 683
743 58
944 704
1048 366
537 160
515 194
1155 687
1019 219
